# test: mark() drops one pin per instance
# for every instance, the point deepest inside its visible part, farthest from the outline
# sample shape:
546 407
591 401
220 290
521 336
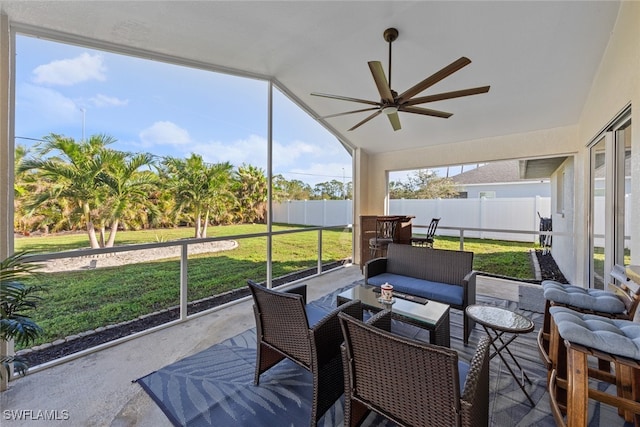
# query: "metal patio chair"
385 234
428 239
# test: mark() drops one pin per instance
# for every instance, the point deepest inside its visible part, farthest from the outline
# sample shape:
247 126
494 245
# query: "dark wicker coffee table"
430 315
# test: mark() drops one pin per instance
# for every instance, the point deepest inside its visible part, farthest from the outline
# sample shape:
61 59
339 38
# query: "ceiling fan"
391 103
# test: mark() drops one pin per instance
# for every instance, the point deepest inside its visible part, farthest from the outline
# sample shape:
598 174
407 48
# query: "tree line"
423 184
62 185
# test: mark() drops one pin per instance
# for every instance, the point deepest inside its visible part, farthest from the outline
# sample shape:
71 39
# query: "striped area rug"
215 387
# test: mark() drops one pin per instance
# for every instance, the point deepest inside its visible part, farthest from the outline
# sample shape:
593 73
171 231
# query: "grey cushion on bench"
614 336
588 299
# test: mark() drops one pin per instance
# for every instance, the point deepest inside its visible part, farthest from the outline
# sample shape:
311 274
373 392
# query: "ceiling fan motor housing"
390 34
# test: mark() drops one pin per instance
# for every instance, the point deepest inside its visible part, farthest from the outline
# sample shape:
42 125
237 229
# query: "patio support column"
269 184
360 197
6 159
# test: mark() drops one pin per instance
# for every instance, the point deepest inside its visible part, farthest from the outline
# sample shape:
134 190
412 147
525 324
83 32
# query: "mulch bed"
548 267
111 333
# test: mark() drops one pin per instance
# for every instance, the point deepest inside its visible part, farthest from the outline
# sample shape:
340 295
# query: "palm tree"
197 187
72 174
250 189
218 196
52 215
92 179
127 189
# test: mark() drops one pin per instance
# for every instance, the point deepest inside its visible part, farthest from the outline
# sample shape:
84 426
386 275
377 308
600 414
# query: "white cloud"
290 154
47 104
67 72
164 133
101 100
294 160
251 150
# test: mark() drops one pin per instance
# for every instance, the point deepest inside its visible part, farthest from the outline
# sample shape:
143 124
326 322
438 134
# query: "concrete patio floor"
97 389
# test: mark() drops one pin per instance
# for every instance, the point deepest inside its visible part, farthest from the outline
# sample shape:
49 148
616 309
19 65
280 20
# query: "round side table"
497 321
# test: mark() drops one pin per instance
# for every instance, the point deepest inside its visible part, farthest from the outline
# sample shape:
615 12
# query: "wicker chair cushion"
587 299
442 292
614 336
463 371
314 314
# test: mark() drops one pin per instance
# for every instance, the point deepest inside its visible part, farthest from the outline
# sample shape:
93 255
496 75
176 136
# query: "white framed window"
487 194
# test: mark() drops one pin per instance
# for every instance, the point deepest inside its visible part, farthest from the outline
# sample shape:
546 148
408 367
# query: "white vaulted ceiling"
539 57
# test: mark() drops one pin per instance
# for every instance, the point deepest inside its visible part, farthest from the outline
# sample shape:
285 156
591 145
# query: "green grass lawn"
499 257
78 301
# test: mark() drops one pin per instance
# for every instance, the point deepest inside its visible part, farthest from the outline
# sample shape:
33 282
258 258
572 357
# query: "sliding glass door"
610 178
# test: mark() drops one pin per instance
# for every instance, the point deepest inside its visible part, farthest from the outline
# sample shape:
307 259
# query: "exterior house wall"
508 189
617 84
562 216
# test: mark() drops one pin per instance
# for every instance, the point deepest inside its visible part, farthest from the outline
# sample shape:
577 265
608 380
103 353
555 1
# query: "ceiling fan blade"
426 112
349 112
366 120
346 98
435 78
447 95
394 120
381 81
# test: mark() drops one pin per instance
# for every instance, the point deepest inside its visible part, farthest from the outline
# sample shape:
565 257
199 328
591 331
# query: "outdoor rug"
215 387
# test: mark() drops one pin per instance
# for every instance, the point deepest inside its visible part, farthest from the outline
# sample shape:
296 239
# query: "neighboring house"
500 180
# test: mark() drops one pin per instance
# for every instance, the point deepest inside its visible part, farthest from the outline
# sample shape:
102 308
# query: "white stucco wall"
617 84
563 248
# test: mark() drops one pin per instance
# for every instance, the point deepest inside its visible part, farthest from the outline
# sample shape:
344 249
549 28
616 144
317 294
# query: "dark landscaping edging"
74 343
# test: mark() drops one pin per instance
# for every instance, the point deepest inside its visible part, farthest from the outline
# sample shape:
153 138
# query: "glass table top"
429 313
499 318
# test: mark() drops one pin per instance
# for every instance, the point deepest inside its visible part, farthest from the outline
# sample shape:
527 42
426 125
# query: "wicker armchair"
410 382
288 328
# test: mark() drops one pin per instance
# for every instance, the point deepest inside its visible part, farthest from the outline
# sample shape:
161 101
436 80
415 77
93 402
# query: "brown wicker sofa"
439 275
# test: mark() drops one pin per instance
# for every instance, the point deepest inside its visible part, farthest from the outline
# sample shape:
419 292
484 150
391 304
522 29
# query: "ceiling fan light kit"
390 109
391 103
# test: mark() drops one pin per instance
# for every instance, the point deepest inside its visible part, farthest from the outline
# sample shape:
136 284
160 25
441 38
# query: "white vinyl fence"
514 213
322 213
505 214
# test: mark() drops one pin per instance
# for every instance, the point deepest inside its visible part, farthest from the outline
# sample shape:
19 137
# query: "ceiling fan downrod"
390 35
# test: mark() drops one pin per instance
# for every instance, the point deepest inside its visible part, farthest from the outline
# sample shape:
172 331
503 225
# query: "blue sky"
167 110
